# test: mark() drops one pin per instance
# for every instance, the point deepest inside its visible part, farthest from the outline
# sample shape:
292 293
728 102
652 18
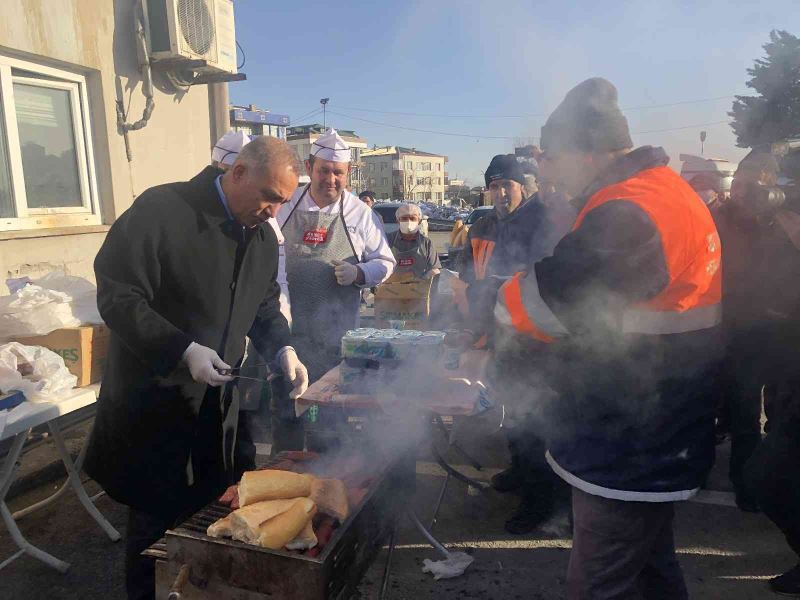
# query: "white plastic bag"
82 291
446 278
52 302
37 372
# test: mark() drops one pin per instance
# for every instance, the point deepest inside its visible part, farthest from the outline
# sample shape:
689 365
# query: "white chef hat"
228 147
332 147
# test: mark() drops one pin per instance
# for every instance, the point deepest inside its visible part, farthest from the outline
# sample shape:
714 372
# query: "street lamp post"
324 102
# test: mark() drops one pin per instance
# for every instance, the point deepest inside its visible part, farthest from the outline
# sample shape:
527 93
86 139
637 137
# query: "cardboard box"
83 349
408 301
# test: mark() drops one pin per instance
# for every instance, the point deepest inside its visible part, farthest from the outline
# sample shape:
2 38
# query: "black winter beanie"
504 166
587 120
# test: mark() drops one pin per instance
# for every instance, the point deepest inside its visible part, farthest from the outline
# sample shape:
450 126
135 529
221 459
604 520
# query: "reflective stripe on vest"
530 316
664 322
691 247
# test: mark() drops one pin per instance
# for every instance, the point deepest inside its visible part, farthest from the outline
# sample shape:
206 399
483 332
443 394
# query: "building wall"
95 38
411 164
378 175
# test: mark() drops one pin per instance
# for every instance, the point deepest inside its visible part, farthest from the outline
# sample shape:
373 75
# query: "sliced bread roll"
282 529
244 523
256 486
221 528
330 496
305 540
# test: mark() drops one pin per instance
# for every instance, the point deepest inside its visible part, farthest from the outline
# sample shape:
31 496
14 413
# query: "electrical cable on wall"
244 56
147 90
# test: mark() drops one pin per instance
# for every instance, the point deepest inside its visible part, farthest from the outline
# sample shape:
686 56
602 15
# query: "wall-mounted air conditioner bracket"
204 76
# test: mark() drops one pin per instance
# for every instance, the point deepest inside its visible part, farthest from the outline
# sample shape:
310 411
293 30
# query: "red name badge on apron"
407 261
315 236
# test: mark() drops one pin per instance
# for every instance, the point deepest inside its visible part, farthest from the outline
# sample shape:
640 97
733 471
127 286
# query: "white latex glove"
346 273
295 371
204 365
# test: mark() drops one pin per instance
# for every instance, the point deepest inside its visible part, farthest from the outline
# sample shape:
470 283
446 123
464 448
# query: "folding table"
18 428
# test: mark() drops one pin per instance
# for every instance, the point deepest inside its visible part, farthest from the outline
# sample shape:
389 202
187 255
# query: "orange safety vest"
481 253
692 250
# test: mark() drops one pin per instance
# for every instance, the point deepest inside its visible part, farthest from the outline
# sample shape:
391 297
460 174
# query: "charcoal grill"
228 569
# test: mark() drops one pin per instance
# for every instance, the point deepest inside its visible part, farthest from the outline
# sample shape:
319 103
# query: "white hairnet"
408 208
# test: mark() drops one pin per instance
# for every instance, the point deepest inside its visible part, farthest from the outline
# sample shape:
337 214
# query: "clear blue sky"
484 63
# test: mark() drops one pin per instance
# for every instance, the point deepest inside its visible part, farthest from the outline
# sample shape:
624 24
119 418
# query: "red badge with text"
315 236
406 262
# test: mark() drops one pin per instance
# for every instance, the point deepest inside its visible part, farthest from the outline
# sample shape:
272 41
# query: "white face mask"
409 226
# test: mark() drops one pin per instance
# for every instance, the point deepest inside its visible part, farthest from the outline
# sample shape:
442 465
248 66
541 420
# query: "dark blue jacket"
635 415
521 239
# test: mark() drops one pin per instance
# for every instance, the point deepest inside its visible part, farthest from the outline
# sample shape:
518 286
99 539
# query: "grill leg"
455 445
439 500
387 569
480 485
428 535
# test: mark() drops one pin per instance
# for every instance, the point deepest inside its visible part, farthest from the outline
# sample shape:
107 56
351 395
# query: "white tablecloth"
30 414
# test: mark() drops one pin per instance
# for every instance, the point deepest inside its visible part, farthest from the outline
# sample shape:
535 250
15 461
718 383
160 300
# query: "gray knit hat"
587 120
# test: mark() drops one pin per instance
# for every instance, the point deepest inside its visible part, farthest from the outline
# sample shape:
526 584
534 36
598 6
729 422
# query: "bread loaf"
221 528
330 496
256 486
244 523
282 529
305 540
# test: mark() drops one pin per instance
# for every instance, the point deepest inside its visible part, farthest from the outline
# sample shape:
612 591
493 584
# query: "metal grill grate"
200 521
196 23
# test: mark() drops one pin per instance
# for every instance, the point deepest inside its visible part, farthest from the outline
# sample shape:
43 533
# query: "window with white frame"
47 176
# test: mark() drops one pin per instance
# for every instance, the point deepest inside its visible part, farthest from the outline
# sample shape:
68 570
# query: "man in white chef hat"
227 148
223 155
335 246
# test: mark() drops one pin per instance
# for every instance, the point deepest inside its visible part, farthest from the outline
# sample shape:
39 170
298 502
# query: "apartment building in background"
257 121
398 173
300 139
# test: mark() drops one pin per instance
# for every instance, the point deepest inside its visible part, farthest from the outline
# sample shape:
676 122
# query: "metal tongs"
272 373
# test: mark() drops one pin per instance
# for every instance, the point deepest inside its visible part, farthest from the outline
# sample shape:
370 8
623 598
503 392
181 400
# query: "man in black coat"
183 276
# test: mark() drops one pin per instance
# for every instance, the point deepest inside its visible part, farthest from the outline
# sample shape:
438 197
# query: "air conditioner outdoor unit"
194 34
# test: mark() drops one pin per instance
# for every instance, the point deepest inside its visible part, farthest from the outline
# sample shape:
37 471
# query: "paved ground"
725 553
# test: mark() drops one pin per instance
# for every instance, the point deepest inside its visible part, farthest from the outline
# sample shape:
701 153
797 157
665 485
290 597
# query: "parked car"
477 214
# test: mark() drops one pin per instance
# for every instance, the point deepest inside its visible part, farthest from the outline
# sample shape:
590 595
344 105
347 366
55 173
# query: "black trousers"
527 447
744 420
772 475
143 529
146 527
623 551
